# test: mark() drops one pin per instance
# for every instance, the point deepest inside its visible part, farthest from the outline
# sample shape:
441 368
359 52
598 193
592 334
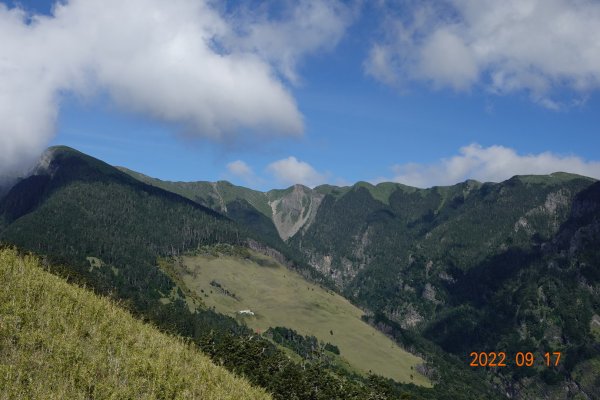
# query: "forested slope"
97 226
476 267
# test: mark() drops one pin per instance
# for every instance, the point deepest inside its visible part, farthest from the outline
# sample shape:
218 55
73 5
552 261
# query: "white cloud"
241 170
446 60
507 46
306 27
380 66
179 61
289 171
485 164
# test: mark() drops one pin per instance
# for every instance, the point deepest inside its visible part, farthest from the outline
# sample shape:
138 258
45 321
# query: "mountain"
97 226
426 235
476 267
273 216
277 212
446 271
510 266
62 341
88 208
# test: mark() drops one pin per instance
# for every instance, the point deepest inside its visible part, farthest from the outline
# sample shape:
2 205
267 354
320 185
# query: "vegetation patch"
224 291
281 297
308 347
61 341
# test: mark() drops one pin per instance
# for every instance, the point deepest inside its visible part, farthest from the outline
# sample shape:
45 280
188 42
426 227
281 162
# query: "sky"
268 94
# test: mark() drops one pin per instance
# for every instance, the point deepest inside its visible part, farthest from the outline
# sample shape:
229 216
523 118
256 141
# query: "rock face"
219 198
295 210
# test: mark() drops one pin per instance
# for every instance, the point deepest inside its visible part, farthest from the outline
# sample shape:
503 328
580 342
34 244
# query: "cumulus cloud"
179 61
490 164
506 46
289 171
241 170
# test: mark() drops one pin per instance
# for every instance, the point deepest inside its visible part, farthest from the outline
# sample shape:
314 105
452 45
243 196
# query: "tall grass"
59 341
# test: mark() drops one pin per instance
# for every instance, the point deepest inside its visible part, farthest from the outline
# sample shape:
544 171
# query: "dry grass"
58 341
281 297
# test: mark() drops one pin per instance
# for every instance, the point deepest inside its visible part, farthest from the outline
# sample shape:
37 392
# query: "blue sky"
390 90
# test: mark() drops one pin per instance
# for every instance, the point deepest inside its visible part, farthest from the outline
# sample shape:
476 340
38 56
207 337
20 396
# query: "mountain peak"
301 187
553 178
57 156
42 167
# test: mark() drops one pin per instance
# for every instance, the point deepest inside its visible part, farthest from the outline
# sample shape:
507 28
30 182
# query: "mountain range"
442 272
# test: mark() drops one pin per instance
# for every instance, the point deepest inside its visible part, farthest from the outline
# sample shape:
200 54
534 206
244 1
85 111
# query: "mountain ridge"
101 228
509 266
296 211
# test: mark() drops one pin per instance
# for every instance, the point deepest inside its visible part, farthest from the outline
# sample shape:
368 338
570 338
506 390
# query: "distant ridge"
293 209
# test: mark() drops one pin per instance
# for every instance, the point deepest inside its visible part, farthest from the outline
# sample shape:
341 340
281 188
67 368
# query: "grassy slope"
61 341
280 297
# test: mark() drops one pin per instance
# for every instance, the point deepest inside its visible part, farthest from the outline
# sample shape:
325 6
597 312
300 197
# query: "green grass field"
281 297
59 341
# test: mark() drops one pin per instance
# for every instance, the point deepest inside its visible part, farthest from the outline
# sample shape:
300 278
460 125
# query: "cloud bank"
178 61
489 164
507 46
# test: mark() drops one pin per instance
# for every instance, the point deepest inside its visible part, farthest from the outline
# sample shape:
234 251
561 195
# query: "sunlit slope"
280 297
58 341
